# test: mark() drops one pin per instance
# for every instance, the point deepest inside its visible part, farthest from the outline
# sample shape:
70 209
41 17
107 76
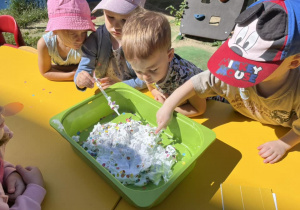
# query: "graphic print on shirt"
256 109
282 116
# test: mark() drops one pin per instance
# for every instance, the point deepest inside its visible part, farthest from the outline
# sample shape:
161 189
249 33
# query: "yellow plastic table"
71 184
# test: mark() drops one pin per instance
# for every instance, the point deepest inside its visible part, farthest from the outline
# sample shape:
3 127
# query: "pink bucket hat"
122 7
69 15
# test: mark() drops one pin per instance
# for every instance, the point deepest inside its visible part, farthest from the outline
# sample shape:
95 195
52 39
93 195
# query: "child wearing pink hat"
25 186
102 52
59 50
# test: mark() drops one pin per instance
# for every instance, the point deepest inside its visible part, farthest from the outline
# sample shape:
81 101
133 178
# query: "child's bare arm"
273 151
194 107
164 114
49 71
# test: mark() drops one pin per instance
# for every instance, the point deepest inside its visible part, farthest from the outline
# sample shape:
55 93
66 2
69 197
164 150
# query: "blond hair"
144 33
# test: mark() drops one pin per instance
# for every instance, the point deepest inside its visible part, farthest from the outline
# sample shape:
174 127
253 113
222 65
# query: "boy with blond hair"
146 43
257 71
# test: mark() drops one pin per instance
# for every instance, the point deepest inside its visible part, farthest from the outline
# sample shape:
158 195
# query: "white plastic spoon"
112 104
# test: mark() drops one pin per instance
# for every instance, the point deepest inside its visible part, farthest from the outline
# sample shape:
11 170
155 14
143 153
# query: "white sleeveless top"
73 58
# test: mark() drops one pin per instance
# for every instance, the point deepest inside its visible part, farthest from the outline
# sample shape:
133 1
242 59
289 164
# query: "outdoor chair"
9 24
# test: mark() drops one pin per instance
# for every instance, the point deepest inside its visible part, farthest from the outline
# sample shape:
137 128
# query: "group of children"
256 70
134 47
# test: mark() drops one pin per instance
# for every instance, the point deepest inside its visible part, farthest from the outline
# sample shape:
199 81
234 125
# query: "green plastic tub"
188 137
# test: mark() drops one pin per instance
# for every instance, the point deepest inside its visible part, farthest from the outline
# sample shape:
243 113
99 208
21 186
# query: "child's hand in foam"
163 117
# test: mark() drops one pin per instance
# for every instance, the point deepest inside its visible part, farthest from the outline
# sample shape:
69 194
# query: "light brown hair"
144 33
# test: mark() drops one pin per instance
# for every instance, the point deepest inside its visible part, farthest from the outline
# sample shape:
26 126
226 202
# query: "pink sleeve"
31 199
8 169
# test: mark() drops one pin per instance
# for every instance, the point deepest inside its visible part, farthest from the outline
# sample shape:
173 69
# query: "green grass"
24 13
195 55
28 39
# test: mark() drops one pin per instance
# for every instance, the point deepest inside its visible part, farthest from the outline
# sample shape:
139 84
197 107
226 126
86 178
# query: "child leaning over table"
69 21
257 71
146 43
102 52
27 197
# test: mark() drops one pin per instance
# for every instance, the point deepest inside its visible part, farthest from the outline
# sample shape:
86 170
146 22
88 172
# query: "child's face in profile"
114 23
155 68
72 38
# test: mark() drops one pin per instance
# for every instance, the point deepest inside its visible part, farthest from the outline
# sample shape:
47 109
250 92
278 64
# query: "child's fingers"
278 157
159 127
19 189
85 80
22 171
109 80
159 99
105 86
267 153
89 77
104 80
89 81
11 187
19 167
160 95
165 96
260 147
157 130
29 168
271 158
263 150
